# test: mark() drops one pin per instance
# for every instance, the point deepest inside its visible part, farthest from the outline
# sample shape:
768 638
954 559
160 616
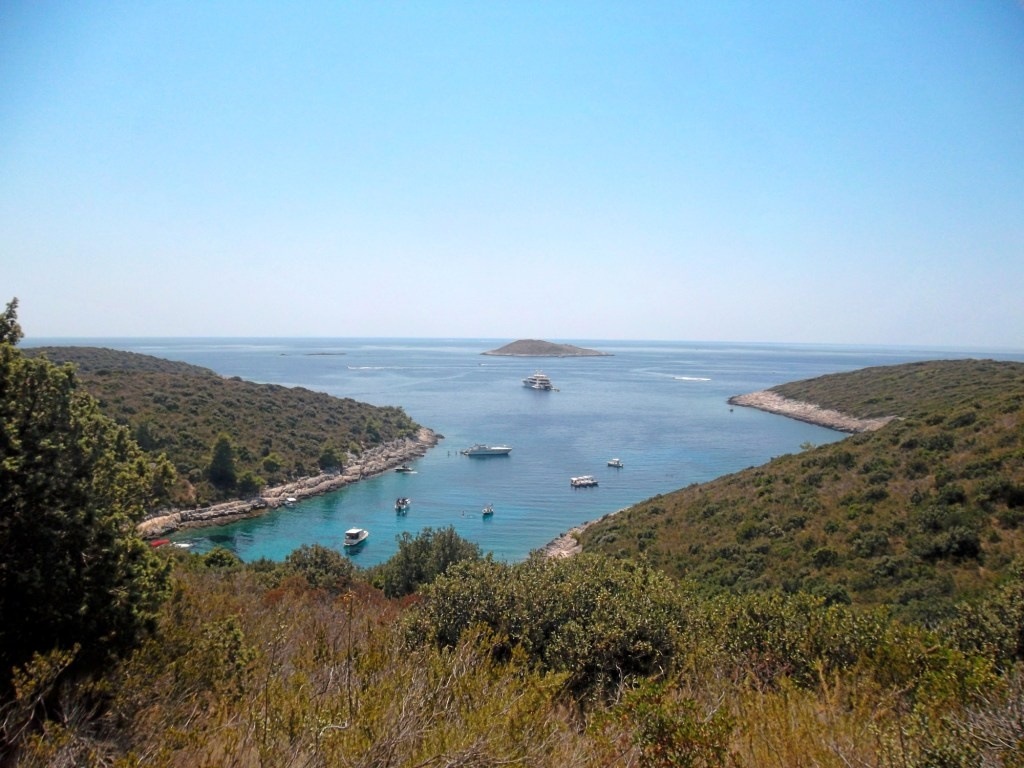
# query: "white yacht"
539 380
487 450
583 481
355 536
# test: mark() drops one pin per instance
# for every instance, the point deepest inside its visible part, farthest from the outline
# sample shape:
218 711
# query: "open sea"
658 406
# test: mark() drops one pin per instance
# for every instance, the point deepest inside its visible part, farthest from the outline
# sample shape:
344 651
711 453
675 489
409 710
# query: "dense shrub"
596 619
322 567
422 558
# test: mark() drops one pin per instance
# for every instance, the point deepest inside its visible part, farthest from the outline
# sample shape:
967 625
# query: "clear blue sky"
847 172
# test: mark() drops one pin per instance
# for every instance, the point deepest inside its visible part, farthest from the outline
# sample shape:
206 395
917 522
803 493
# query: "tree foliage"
10 330
322 567
422 558
73 485
222 463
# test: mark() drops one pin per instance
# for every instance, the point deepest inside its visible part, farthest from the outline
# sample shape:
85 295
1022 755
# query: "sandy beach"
368 464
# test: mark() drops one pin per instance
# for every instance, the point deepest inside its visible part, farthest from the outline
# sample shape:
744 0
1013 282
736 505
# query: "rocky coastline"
368 464
568 544
772 402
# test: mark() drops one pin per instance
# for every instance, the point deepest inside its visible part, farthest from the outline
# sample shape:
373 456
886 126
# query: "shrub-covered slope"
926 511
276 432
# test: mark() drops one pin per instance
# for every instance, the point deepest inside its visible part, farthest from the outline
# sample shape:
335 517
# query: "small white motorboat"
355 536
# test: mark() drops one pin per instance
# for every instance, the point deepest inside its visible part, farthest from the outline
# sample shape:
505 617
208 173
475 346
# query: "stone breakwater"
773 402
371 462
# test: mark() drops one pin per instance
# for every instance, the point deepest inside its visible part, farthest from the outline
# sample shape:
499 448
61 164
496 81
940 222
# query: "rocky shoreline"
772 402
371 462
568 544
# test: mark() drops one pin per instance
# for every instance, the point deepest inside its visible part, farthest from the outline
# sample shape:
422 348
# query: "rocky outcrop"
371 462
772 402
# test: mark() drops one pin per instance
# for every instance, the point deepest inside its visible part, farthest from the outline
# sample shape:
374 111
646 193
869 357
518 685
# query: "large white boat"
539 380
583 481
487 450
355 536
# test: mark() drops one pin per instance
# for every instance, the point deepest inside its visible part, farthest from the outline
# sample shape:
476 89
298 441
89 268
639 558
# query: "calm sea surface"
659 406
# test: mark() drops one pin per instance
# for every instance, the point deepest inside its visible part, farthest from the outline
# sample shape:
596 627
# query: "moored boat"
583 481
402 504
615 463
405 468
355 536
479 449
538 380
488 510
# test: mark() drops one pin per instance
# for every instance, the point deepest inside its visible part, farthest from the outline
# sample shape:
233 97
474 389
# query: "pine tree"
74 575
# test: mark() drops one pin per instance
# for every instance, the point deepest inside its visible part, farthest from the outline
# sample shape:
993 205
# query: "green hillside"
922 513
276 433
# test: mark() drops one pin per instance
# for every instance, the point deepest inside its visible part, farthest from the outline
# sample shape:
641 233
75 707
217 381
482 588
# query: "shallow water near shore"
658 406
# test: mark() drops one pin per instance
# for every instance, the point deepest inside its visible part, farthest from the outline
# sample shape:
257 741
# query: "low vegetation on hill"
921 514
227 437
586 662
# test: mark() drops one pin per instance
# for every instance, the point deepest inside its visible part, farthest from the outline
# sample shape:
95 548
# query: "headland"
773 402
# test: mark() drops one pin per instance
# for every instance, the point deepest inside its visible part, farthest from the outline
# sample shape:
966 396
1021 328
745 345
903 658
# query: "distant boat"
402 504
583 481
615 463
488 510
290 501
404 468
539 380
355 536
487 450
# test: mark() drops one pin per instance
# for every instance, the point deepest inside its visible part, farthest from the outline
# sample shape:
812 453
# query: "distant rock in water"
535 348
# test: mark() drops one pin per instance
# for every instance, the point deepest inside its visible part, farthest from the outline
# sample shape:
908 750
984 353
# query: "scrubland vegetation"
918 516
584 662
117 654
225 437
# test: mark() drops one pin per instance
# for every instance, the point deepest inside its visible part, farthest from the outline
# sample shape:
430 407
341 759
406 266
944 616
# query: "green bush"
598 620
321 567
421 559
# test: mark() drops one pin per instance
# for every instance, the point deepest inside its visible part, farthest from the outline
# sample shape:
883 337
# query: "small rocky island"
535 348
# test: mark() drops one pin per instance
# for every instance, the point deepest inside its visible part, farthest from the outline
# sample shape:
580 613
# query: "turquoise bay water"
659 406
